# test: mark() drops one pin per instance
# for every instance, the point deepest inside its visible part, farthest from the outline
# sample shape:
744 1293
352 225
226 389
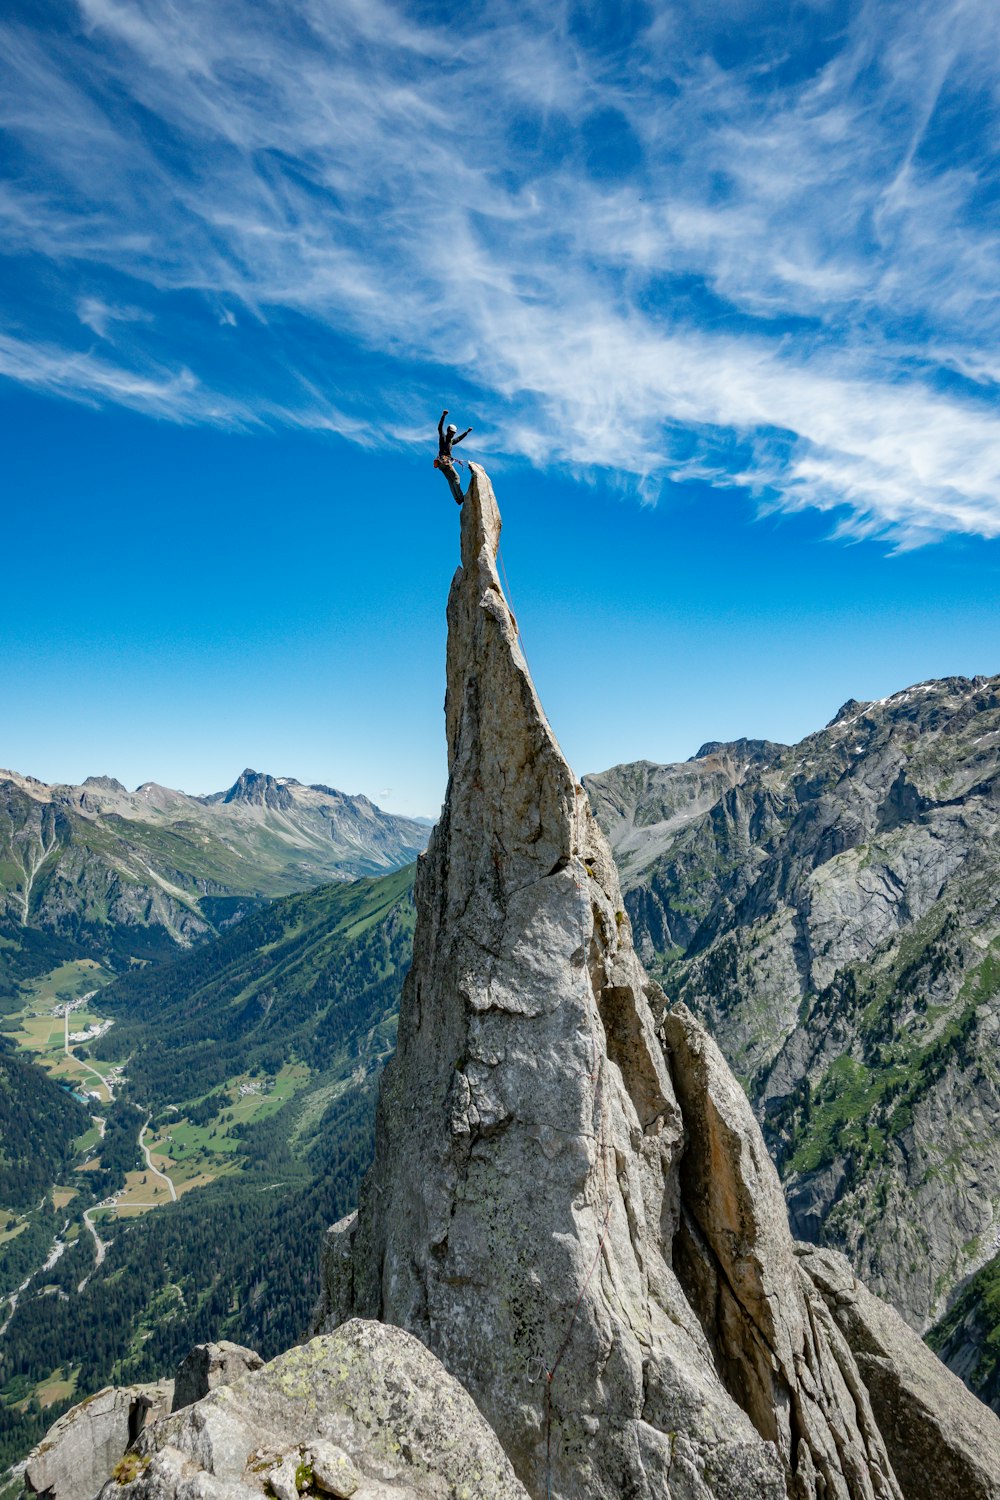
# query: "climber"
447 436
445 461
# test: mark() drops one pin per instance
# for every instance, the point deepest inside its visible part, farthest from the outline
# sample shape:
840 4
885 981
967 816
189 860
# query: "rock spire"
571 1203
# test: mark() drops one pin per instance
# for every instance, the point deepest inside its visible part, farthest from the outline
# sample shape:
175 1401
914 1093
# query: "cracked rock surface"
932 1425
209 1365
80 1450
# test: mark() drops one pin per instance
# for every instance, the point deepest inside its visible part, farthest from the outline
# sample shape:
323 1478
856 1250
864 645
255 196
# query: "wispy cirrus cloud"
100 316
707 246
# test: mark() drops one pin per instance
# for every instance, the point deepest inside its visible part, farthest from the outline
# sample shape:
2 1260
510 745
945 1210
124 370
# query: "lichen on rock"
366 1411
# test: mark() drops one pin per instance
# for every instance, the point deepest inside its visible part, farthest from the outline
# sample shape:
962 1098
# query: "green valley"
244 1070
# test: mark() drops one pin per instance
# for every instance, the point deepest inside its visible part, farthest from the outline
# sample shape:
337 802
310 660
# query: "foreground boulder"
81 1449
941 1439
571 1201
366 1412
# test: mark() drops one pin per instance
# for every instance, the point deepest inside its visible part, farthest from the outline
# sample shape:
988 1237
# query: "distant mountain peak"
106 784
260 789
848 710
742 749
358 798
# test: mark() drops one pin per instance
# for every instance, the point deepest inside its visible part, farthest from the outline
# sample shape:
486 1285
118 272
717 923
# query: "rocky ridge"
81 1449
365 1412
595 1243
832 911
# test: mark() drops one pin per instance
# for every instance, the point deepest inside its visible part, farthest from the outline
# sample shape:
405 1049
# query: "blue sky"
715 283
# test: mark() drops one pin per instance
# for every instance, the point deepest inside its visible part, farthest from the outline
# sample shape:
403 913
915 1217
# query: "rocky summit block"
366 1413
571 1202
209 1365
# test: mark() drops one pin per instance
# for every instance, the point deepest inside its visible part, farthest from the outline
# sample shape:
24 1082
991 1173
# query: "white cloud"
775 294
85 377
99 316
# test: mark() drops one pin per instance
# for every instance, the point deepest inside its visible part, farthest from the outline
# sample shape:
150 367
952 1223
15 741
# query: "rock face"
80 1451
937 1434
209 1365
773 1340
581 1222
366 1412
832 911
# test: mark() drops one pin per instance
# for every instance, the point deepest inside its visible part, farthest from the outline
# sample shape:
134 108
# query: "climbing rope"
513 612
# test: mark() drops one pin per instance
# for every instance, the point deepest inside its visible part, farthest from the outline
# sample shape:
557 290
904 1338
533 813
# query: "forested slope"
39 1122
294 980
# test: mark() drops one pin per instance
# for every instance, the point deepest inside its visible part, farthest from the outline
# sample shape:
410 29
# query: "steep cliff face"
576 1214
968 1337
834 915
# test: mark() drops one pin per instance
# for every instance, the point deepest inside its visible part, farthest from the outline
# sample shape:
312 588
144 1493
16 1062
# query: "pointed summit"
259 789
576 1213
571 1206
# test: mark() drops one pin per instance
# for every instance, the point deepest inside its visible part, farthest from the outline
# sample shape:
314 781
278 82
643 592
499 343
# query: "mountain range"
137 874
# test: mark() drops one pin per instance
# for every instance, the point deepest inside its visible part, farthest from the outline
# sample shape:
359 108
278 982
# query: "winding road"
149 1160
100 1245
